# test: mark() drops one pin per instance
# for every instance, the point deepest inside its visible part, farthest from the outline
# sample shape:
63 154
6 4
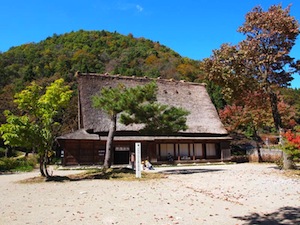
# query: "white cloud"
129 6
139 8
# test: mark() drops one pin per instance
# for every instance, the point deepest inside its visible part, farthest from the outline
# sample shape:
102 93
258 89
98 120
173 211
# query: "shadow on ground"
283 216
189 171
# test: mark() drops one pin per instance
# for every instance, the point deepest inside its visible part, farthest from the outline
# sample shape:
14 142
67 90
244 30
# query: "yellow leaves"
151 59
27 98
185 69
57 95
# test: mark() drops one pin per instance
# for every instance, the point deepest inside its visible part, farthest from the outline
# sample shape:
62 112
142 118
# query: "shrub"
292 145
2 152
7 164
18 164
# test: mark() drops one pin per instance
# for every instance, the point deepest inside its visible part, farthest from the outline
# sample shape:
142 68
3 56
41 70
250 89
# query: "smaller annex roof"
203 117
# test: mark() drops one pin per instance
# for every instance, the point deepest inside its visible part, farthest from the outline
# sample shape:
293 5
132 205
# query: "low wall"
268 155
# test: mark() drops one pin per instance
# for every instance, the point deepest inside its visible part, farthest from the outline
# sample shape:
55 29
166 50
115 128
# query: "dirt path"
223 194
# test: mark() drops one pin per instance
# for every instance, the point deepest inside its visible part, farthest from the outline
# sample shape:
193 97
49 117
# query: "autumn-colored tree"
260 61
225 68
270 36
248 117
291 97
288 113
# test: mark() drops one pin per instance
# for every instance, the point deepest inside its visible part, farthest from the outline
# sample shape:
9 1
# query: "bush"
279 163
2 152
7 164
18 164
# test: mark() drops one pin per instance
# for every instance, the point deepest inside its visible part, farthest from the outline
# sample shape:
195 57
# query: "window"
198 149
166 148
210 149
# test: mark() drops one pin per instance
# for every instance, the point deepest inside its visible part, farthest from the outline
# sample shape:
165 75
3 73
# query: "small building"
205 140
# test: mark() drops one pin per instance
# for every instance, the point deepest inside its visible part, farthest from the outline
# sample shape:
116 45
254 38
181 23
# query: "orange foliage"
254 108
151 59
292 138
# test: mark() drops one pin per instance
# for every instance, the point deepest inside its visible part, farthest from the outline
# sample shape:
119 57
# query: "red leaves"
254 108
293 138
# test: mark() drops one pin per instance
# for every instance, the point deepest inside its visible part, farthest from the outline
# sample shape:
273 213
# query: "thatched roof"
203 117
80 135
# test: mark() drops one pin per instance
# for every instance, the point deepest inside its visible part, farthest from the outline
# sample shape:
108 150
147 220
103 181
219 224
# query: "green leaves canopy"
117 100
138 105
158 118
36 128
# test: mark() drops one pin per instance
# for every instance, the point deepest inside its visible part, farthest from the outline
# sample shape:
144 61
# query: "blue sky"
193 28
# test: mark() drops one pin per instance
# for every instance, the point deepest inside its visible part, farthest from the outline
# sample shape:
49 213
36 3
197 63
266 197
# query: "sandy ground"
222 194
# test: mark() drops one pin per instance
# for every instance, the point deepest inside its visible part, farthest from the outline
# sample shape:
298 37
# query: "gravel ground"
216 194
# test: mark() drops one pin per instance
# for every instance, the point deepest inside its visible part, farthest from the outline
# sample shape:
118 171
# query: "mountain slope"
94 51
87 51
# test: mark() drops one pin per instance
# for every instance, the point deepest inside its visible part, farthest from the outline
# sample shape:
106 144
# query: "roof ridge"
159 79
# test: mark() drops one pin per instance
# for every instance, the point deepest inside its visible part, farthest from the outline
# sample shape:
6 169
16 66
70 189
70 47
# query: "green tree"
137 105
37 127
215 94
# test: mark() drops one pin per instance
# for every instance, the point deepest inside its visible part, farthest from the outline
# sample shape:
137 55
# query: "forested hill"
94 51
87 51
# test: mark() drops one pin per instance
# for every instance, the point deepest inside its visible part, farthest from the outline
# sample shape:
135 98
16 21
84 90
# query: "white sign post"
138 160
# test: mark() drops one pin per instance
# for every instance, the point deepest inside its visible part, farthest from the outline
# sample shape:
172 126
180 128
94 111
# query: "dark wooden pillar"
204 150
194 157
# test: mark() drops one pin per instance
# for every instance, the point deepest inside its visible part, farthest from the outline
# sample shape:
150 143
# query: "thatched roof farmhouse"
205 139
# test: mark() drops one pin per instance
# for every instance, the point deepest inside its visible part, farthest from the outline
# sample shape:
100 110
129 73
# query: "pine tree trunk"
109 143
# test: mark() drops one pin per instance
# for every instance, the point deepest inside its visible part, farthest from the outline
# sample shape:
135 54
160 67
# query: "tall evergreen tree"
137 105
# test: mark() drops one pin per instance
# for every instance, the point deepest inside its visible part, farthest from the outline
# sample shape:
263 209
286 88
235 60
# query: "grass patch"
115 174
123 174
292 173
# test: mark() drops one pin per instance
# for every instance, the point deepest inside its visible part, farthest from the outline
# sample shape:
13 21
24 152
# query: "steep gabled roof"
203 117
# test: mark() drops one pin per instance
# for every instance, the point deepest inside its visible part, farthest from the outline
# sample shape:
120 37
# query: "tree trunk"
275 113
42 166
260 159
109 143
256 138
45 164
287 160
288 163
